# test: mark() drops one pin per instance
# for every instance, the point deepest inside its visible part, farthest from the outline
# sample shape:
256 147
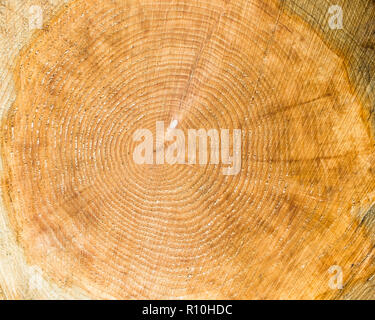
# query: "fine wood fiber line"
281 208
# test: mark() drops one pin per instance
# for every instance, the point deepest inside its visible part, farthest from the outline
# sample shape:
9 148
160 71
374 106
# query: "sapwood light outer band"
79 219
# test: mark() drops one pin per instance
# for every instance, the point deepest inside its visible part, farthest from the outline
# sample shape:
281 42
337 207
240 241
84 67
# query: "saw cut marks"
90 217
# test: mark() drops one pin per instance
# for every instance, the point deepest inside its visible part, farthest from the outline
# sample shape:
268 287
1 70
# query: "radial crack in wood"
88 221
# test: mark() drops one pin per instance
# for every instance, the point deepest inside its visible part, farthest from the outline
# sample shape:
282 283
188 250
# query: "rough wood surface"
79 219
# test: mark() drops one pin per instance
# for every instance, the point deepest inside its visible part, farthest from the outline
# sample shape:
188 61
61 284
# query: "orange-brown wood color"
79 219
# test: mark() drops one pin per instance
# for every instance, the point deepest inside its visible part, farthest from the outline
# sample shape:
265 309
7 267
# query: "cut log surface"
80 219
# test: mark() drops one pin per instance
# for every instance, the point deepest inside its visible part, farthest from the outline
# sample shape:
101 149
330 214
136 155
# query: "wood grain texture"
79 219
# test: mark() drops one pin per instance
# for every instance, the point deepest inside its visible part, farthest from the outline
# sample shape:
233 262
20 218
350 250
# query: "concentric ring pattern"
91 217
